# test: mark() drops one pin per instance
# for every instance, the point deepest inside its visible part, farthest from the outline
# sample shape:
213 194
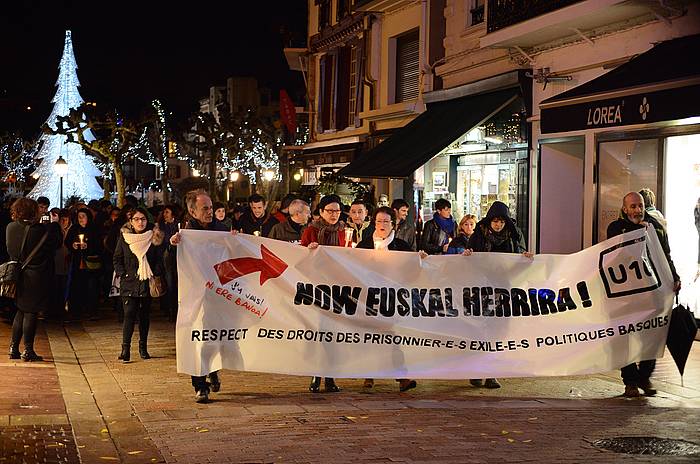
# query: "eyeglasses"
383 222
140 219
331 211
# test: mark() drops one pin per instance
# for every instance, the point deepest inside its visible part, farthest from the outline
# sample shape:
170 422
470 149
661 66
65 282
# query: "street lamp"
61 168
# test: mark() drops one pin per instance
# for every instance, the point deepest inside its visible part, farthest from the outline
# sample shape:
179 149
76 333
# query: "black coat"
92 239
622 225
396 245
249 224
126 264
479 239
433 237
36 280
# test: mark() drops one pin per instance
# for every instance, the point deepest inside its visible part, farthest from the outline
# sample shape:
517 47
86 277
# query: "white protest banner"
250 303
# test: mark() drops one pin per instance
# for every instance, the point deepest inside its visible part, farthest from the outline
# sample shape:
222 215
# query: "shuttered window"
407 71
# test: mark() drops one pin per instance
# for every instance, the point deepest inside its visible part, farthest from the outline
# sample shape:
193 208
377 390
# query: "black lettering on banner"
403 307
518 298
546 297
382 301
372 301
564 300
322 296
450 310
435 302
388 309
345 297
534 307
418 307
502 297
196 334
487 301
305 294
471 301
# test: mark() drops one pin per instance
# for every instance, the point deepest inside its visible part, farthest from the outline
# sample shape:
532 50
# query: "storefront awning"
662 84
432 131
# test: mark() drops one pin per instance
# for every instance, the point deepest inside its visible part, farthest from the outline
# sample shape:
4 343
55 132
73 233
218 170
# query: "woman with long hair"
327 230
84 244
465 230
138 260
33 289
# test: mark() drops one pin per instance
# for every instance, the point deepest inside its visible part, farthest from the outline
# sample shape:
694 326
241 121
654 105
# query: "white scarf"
139 245
383 242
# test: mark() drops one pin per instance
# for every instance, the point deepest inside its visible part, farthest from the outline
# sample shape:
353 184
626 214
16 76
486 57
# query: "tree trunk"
119 180
164 186
107 188
213 192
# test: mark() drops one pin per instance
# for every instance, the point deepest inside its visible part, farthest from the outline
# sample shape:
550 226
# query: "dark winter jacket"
396 245
433 237
126 264
458 245
250 224
287 232
36 280
509 240
622 225
406 232
92 239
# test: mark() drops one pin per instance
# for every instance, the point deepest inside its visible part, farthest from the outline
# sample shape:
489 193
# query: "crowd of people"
81 256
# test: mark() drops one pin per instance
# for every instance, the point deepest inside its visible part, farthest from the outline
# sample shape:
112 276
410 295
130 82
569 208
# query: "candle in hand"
256 233
81 237
348 237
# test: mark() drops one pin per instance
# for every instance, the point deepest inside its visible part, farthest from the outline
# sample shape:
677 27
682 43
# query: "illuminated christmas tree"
80 179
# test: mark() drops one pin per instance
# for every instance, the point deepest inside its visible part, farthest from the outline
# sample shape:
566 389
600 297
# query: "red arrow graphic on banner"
270 266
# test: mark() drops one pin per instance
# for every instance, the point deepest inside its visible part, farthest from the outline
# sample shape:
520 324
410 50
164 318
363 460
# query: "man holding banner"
633 216
200 208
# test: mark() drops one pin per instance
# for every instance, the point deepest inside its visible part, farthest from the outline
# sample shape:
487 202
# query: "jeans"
132 308
634 376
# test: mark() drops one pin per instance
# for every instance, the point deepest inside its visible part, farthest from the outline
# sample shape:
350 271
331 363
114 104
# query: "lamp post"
61 168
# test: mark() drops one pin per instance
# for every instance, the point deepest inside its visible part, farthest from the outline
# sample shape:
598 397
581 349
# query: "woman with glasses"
137 259
383 238
328 230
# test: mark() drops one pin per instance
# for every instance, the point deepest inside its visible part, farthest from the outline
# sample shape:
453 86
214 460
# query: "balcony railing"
477 15
504 13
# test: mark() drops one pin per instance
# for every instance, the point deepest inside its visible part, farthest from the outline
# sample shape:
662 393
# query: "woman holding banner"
497 233
383 238
328 230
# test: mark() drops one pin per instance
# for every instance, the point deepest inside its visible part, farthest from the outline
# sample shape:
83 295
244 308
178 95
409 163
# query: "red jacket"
310 235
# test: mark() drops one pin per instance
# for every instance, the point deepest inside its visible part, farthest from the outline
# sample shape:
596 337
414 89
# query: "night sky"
129 52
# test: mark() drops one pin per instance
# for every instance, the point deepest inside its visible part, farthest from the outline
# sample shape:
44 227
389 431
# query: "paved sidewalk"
143 412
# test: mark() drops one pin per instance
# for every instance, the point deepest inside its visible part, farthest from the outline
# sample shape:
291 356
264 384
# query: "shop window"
475 12
407 67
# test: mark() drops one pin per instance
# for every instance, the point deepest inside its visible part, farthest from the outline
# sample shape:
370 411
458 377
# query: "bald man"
633 216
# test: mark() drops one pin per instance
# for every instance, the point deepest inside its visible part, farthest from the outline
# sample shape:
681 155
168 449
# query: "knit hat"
328 199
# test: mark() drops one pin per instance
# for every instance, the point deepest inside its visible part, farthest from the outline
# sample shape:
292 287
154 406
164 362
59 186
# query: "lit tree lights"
16 158
81 177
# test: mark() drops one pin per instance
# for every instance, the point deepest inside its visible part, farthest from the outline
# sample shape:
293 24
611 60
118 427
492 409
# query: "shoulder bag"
10 271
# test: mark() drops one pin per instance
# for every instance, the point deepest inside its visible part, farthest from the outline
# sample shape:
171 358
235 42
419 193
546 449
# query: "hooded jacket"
126 264
479 240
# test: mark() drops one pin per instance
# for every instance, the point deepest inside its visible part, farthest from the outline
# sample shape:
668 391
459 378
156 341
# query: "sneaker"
648 388
492 383
476 382
202 396
215 382
631 392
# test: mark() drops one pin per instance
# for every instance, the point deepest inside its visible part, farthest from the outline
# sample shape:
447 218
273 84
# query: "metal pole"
61 203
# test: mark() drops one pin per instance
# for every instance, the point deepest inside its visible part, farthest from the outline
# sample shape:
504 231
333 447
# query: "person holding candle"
358 222
257 219
384 238
84 244
328 230
440 230
460 244
138 258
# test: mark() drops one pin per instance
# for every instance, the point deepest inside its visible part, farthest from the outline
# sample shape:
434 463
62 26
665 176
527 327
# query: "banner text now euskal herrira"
250 303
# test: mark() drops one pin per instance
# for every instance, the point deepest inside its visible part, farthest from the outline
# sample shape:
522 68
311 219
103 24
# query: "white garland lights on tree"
81 179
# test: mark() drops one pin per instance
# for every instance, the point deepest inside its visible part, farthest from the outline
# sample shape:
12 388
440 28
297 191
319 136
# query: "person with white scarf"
383 238
137 258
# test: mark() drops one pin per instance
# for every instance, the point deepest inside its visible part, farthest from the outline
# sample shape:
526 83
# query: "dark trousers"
83 293
199 382
58 299
133 307
634 375
24 324
169 300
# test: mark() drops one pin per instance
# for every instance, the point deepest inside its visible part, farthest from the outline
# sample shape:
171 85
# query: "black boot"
143 352
126 353
14 352
30 355
330 386
315 386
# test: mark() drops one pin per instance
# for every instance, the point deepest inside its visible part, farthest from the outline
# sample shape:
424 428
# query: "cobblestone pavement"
143 411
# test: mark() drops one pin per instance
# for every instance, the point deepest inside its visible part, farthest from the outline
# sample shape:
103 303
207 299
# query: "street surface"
82 405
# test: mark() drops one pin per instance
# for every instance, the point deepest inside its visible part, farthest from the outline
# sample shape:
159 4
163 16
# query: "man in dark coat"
404 227
291 229
257 221
36 280
438 231
633 216
201 211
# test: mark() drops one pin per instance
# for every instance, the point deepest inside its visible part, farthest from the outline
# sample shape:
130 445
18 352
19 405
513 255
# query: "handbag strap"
36 248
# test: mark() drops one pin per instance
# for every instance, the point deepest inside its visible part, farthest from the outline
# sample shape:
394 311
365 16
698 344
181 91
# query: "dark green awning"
431 132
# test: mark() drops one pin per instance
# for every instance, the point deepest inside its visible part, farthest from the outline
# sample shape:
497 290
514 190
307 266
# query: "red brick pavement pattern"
38 443
30 394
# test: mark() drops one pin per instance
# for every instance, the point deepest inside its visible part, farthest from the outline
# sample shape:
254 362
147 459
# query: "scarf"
139 245
447 225
382 243
328 233
496 239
